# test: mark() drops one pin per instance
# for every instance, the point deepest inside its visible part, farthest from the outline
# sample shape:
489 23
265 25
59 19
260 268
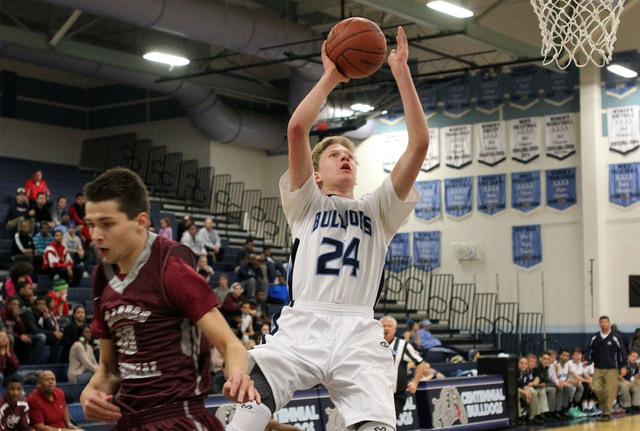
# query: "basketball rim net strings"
578 31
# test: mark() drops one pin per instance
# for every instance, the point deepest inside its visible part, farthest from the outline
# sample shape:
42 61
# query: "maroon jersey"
150 315
15 418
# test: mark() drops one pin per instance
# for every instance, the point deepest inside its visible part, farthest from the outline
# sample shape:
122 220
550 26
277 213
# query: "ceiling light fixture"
362 107
450 9
169 59
622 71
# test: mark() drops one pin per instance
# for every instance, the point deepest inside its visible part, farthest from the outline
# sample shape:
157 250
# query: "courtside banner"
527 245
426 249
457 98
491 141
457 144
559 86
524 85
525 191
458 196
525 139
432 160
489 92
619 86
561 188
624 184
561 133
398 253
624 128
492 193
429 206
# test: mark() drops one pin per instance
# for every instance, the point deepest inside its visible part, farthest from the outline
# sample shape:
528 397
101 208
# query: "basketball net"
578 31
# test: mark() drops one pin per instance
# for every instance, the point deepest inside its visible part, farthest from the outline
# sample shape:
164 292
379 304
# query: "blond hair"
326 143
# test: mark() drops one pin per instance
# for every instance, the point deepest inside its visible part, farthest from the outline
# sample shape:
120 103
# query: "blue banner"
616 85
524 84
429 206
458 196
492 193
426 249
398 253
558 85
527 245
624 184
489 92
561 188
525 191
457 98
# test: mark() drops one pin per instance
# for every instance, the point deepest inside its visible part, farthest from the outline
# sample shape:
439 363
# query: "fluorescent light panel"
362 107
622 71
450 9
169 59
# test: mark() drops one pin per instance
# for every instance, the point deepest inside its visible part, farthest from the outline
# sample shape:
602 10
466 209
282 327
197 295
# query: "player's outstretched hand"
398 57
330 67
239 388
97 406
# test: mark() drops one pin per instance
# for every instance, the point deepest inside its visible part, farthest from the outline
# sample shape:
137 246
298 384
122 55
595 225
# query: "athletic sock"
250 417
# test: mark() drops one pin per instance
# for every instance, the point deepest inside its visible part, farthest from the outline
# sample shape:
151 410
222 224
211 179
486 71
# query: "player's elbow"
296 129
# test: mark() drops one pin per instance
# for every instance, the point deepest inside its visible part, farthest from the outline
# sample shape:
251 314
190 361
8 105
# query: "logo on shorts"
384 344
449 408
335 421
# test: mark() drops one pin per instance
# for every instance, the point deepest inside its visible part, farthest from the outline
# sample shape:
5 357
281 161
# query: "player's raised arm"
303 118
97 395
408 167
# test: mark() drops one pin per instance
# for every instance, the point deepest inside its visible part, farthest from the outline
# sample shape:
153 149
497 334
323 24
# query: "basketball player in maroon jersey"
155 317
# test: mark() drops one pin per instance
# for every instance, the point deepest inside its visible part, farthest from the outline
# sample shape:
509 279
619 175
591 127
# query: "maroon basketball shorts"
180 416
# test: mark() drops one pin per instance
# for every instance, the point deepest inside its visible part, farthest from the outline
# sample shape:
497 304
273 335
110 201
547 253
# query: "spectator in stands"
73 244
37 320
29 345
58 262
82 362
165 228
59 297
279 293
14 408
411 334
24 294
430 373
41 211
70 332
259 304
19 210
58 210
243 255
212 243
48 405
247 321
22 246
9 363
41 240
635 340
223 287
35 186
77 213
233 301
12 322
629 383
204 269
183 226
251 277
191 239
526 392
274 267
427 340
19 271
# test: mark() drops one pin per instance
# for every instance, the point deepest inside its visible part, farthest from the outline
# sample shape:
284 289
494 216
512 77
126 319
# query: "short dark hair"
634 350
123 186
77 307
604 317
60 197
576 350
41 193
21 284
79 194
13 378
562 351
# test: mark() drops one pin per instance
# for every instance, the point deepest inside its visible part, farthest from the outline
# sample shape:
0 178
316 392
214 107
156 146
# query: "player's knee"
372 426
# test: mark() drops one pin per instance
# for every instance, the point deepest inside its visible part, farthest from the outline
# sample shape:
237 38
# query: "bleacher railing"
461 307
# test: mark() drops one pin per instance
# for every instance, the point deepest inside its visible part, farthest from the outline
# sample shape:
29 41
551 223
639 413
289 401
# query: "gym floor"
624 422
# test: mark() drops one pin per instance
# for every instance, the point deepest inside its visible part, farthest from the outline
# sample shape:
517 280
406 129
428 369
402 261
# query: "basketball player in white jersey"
328 334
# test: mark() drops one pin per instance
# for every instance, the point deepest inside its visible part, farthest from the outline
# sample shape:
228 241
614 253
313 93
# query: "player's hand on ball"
239 388
97 406
330 67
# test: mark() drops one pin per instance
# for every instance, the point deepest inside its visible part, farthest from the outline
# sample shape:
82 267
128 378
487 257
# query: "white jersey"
339 244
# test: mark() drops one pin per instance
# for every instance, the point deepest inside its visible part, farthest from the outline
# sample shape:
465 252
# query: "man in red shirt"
56 260
48 406
14 408
36 185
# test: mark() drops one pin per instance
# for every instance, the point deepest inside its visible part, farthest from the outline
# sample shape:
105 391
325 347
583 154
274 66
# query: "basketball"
357 46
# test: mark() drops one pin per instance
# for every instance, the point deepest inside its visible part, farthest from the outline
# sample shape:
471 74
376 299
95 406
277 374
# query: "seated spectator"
526 392
35 186
82 362
427 340
59 297
24 294
548 379
12 322
233 301
14 408
570 389
77 213
274 267
411 334
191 239
429 373
251 278
629 383
165 228
41 240
223 287
183 226
19 271
70 332
59 210
243 255
279 293
19 210
38 321
9 363
247 322
47 404
41 211
28 345
577 377
58 262
262 315
204 269
73 244
212 243
22 246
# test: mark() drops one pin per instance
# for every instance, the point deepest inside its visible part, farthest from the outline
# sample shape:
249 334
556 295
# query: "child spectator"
165 228
59 297
14 409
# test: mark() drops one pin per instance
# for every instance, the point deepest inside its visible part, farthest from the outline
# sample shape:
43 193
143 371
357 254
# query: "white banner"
432 160
525 139
491 142
457 144
624 128
561 133
393 144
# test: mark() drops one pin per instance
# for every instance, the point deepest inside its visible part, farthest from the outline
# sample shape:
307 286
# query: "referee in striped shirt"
403 353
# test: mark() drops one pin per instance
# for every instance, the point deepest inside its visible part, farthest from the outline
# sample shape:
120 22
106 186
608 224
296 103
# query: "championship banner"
491 142
429 206
525 139
561 188
559 86
561 133
457 144
398 253
426 249
458 196
525 191
457 98
524 84
624 184
489 92
394 144
618 86
624 128
492 193
527 245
